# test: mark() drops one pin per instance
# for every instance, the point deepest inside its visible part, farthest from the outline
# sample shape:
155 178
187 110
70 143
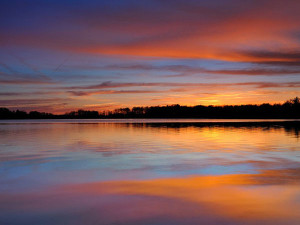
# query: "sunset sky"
62 55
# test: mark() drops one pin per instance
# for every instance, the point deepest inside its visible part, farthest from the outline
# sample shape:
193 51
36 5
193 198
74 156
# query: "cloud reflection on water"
271 197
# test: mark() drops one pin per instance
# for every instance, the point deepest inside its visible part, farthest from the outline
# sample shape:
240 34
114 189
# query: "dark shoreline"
288 110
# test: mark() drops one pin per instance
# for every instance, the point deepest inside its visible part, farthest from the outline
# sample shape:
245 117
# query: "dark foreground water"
149 172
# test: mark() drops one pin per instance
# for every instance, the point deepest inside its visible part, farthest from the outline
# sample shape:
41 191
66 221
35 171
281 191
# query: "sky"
62 55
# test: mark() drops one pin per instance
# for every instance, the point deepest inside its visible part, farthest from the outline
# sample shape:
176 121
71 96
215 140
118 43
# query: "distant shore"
288 110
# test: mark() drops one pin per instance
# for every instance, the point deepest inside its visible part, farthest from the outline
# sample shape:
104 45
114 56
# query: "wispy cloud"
7 94
109 92
110 84
283 57
30 102
7 78
24 81
189 70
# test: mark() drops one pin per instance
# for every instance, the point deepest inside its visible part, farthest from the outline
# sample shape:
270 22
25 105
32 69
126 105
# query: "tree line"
289 109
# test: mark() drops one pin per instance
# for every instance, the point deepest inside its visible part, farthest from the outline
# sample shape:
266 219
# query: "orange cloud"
220 30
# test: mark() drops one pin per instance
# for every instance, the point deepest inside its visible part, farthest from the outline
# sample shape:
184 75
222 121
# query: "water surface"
150 172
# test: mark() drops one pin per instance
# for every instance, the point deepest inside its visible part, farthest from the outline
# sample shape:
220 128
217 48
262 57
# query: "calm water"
233 172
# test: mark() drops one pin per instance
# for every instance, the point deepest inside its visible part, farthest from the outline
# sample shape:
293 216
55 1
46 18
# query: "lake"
158 172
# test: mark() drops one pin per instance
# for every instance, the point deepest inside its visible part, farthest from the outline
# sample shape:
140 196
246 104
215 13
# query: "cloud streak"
110 92
17 79
30 102
184 69
109 84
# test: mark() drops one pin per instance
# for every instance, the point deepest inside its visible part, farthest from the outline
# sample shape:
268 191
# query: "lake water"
158 172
